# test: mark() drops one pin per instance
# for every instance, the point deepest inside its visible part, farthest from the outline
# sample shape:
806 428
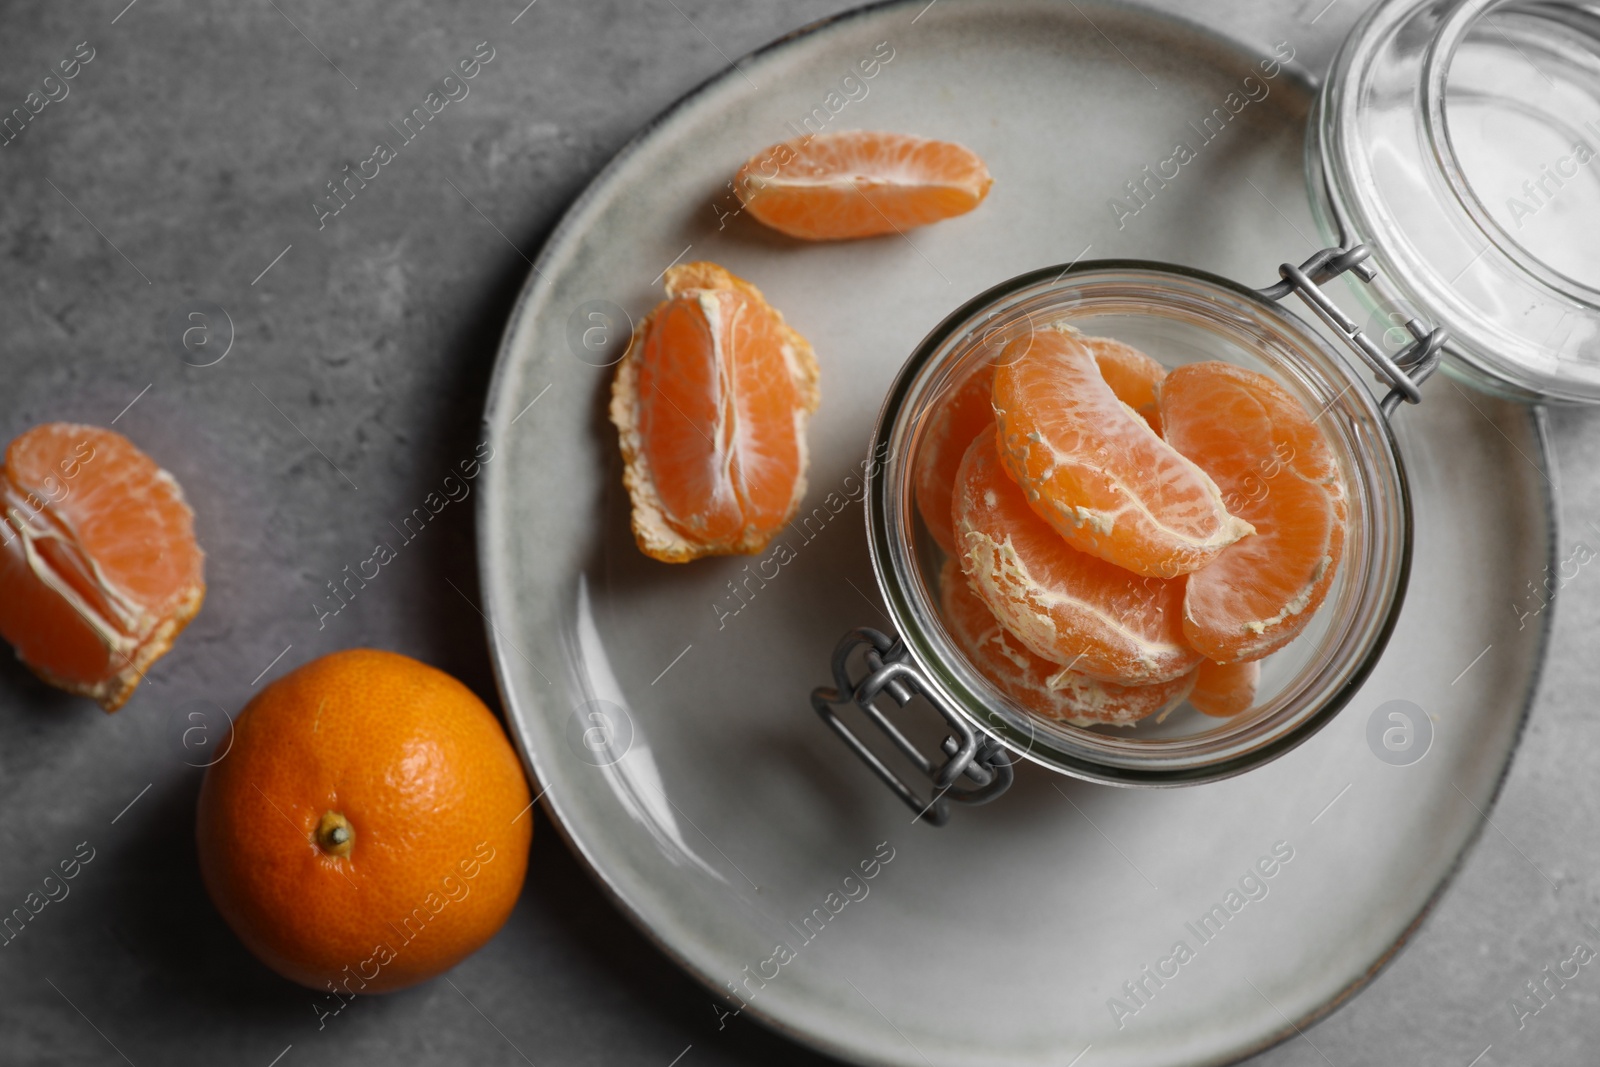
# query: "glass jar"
1403 152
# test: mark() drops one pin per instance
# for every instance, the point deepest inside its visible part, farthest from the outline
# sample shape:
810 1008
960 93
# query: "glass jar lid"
1461 141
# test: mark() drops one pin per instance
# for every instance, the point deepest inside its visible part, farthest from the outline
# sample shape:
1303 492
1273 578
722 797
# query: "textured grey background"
183 161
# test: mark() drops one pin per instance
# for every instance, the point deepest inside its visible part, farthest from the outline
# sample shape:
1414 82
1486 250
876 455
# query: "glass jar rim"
1178 762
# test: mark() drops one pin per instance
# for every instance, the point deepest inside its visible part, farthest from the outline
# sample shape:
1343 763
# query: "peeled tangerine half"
99 569
1095 470
1037 684
1066 606
968 409
860 183
1277 472
711 404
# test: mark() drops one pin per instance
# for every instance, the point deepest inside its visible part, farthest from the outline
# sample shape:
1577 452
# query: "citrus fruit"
1037 684
711 403
960 415
860 184
1093 468
1224 689
968 408
368 827
99 568
1064 605
1133 376
1278 473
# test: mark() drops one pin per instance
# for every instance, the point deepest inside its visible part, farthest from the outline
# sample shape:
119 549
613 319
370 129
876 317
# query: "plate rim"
492 600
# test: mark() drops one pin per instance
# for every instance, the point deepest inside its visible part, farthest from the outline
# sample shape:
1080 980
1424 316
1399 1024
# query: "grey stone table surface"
182 166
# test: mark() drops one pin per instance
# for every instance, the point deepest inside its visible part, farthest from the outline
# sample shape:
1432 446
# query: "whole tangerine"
369 827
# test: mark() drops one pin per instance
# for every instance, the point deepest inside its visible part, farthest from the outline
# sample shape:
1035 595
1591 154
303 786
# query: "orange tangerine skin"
1063 605
1039 685
711 404
968 409
433 794
99 567
1278 472
1225 689
860 183
1095 470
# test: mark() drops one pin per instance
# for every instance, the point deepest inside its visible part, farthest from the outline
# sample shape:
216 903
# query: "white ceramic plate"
663 709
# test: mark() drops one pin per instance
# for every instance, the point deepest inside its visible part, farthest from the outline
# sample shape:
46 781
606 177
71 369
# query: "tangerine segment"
1064 605
860 184
968 410
99 568
1037 684
1093 468
1132 375
1225 689
711 404
1278 471
961 415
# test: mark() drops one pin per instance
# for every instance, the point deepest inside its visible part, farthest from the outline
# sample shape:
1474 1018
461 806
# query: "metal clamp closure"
1405 370
980 760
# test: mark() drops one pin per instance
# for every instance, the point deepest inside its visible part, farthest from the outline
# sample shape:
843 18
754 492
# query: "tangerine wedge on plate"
1037 684
1278 473
1225 689
99 568
1095 470
1064 605
711 404
860 184
968 409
